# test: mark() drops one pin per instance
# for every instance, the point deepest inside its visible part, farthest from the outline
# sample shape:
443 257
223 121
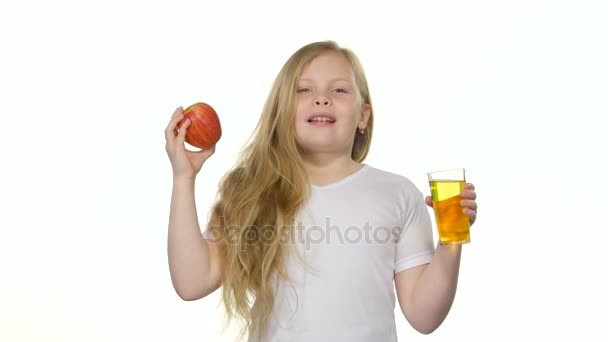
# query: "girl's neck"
325 171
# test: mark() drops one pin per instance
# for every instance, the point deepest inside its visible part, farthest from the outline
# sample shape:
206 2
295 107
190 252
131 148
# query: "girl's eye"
303 90
340 90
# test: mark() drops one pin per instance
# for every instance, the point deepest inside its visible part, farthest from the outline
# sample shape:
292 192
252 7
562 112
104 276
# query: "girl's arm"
426 292
194 263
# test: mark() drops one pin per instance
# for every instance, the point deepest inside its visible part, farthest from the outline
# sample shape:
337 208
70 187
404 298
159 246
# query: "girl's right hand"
186 164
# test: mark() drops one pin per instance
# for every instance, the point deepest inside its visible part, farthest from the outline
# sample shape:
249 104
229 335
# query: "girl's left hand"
468 202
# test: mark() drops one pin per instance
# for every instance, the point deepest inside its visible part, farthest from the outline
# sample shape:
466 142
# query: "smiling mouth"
320 120
321 123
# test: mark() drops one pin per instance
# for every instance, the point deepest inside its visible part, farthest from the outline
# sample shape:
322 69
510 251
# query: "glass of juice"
452 223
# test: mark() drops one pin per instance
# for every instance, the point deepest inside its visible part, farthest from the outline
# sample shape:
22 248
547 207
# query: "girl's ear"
365 113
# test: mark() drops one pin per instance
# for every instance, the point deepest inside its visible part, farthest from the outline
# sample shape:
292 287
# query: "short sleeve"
415 245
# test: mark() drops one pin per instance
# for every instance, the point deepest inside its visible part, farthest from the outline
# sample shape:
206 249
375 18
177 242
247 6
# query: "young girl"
305 239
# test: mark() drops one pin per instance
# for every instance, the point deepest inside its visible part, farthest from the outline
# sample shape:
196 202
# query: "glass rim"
447 170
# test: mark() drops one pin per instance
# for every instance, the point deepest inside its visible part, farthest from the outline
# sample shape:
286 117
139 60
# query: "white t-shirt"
354 234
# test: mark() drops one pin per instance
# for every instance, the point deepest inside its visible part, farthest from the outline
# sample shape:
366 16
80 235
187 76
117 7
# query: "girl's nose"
321 101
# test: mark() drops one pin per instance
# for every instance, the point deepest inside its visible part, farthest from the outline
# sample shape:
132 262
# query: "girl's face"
329 107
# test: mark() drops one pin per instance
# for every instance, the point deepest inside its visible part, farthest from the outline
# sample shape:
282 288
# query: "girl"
305 239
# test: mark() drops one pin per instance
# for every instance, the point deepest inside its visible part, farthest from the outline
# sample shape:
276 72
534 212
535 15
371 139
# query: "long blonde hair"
260 197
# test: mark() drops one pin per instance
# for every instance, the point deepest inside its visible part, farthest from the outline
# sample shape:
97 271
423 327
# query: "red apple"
205 129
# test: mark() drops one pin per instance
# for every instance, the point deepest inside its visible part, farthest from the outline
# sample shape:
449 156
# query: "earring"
361 131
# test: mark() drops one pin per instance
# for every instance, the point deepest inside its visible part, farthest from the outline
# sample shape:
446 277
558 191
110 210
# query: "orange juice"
452 223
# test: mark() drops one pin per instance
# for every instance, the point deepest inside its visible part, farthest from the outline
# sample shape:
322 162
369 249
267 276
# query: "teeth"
321 118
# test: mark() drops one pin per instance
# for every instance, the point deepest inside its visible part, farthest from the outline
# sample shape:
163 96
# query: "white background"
514 91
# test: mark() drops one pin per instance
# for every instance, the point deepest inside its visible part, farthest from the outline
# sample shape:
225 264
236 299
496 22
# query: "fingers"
177 112
429 201
181 137
202 155
205 153
469 204
170 131
471 214
469 194
210 150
